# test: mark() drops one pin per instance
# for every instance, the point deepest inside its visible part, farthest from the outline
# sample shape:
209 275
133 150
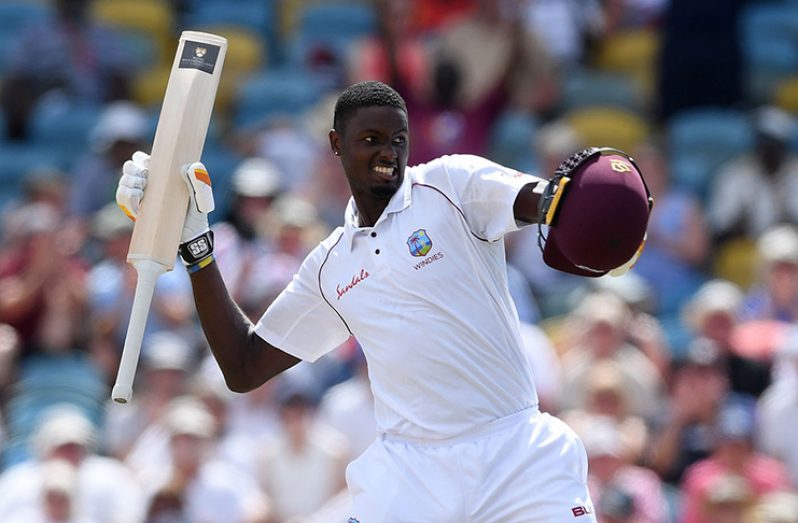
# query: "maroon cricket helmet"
600 222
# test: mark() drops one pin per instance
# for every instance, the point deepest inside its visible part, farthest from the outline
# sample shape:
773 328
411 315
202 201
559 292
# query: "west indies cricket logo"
419 243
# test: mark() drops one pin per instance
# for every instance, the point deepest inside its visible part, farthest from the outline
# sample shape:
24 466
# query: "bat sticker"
199 55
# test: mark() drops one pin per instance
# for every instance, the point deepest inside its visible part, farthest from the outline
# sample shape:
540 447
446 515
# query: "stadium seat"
604 126
735 260
15 17
257 16
153 18
632 53
769 37
701 140
274 93
786 95
44 382
511 141
64 127
19 160
323 36
597 88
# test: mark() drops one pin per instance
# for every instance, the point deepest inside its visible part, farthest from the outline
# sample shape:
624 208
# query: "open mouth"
386 173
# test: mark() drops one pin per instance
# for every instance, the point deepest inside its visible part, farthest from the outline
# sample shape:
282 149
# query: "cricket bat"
179 137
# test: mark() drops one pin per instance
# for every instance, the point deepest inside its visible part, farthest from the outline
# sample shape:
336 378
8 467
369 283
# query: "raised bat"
179 138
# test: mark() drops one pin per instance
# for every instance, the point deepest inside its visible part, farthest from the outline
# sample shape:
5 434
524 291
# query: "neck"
369 210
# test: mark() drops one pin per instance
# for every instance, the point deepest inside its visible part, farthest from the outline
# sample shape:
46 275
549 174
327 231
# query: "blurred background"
681 376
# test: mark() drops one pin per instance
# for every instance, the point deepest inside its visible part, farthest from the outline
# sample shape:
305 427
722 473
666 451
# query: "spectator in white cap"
601 326
713 314
134 433
775 296
250 261
57 498
122 129
609 469
759 188
211 490
778 408
105 490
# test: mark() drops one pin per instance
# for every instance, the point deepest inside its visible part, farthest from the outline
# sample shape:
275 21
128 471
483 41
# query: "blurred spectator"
490 48
9 353
733 454
566 28
193 484
133 432
684 435
609 470
778 408
349 408
123 128
105 490
775 294
545 364
727 499
616 506
601 325
759 188
42 282
677 243
57 497
431 15
700 62
396 40
447 119
68 52
303 465
713 315
608 401
251 264
111 284
776 507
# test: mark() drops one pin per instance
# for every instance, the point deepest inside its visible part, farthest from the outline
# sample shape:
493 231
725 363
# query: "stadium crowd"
681 377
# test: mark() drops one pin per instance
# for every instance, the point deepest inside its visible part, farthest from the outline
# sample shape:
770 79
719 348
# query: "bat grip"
148 272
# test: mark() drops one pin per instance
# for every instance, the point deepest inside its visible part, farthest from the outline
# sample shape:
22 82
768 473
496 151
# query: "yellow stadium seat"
608 127
632 52
735 260
152 17
786 95
246 51
149 87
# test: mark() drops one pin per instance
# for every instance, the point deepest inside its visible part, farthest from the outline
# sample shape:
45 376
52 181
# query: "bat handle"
148 273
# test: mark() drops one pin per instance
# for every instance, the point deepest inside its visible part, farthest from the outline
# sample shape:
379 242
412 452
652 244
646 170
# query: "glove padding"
130 193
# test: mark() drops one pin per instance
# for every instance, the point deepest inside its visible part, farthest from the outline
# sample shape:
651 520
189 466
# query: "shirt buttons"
373 234
377 251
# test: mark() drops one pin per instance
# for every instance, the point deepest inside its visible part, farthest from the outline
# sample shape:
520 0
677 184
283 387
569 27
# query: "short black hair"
365 94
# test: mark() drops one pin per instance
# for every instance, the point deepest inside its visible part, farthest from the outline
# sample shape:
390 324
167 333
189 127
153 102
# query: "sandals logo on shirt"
419 243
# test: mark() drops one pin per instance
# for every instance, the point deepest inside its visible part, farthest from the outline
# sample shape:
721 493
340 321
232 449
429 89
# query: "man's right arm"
246 360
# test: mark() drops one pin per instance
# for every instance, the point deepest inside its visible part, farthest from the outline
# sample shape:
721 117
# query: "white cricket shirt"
424 291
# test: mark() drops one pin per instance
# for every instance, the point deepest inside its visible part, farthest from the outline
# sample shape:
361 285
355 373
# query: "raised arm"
246 360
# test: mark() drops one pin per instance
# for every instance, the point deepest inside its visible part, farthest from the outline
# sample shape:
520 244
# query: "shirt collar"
398 202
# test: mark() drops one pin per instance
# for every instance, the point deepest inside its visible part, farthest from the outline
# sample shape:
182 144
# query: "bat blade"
179 139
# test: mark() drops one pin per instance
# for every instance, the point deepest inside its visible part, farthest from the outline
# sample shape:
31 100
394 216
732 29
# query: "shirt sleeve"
300 322
486 192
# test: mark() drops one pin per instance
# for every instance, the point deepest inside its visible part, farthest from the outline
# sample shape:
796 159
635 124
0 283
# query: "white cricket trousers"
528 467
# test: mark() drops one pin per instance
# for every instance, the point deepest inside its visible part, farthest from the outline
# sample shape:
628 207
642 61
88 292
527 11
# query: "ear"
335 142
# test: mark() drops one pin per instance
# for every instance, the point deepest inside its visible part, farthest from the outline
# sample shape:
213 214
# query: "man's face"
374 147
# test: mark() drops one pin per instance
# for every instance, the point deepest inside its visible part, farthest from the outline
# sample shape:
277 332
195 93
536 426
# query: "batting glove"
133 183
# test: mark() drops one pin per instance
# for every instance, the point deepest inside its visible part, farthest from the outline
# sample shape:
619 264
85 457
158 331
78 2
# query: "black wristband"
196 250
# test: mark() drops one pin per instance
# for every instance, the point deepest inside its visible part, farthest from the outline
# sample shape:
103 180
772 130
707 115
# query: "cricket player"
417 274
